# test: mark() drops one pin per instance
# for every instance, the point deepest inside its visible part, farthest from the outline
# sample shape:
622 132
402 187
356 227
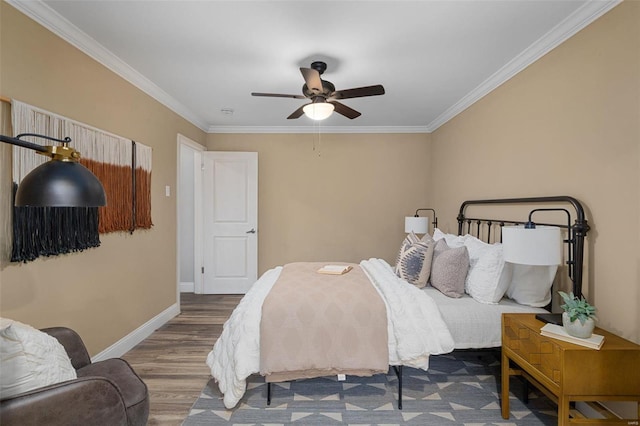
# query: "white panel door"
230 221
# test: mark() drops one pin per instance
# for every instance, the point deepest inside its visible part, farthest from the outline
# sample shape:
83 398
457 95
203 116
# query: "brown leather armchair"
107 392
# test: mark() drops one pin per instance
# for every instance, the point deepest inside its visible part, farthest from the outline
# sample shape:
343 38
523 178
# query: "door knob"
251 231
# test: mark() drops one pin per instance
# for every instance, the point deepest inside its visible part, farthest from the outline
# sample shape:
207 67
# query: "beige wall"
107 292
567 125
333 197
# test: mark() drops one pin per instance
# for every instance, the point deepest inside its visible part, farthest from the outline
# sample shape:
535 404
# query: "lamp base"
550 318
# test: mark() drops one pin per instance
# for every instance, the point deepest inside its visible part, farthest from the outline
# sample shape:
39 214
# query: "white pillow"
30 359
489 275
453 241
531 285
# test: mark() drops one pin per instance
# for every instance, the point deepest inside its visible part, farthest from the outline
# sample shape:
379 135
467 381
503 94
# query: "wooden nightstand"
566 372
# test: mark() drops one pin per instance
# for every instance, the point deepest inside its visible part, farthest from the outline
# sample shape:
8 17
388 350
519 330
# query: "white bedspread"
481 324
415 329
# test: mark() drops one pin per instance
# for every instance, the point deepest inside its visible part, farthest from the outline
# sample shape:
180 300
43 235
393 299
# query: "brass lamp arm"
58 152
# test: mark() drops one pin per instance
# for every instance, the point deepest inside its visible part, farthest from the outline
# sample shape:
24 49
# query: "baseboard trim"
128 342
186 287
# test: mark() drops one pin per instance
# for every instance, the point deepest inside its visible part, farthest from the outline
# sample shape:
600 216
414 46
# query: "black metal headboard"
576 232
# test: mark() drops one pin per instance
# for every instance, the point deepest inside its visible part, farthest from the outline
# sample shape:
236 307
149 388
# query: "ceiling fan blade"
358 92
345 110
312 78
297 113
278 95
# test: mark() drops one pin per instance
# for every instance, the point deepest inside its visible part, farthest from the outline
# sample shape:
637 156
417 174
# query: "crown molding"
54 22
579 19
60 26
317 129
50 19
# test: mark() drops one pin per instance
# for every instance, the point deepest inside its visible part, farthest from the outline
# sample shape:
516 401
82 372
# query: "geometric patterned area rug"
462 388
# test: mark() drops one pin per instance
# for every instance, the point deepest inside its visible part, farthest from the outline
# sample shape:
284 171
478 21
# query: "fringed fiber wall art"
123 166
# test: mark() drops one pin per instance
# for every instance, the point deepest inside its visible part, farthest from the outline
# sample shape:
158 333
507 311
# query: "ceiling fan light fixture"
324 96
318 110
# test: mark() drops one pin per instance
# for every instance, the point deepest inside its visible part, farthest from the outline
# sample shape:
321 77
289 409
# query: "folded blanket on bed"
415 329
316 325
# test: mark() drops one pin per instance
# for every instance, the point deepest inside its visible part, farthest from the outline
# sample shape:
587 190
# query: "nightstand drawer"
523 341
550 359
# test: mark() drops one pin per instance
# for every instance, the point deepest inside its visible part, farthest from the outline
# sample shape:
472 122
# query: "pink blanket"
319 325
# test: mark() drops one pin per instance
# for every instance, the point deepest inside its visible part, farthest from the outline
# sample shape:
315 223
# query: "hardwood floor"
172 360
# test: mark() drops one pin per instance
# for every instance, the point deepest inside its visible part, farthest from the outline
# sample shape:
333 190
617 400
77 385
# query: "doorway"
189 214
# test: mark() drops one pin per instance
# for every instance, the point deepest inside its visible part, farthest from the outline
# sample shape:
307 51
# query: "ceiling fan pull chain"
317 137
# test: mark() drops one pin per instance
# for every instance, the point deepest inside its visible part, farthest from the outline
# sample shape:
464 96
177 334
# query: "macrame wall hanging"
123 166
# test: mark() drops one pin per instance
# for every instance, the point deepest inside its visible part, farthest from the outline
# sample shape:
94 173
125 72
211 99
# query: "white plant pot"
576 328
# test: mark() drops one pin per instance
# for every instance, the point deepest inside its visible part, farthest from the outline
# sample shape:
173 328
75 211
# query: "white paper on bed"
415 326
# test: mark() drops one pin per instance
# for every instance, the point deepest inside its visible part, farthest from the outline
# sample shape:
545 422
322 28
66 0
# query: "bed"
420 321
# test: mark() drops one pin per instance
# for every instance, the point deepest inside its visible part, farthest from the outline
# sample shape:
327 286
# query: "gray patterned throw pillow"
411 238
414 260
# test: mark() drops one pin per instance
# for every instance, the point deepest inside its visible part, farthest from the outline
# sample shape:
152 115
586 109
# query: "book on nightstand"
557 332
335 269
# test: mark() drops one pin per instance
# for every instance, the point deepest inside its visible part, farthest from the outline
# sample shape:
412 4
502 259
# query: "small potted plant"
578 318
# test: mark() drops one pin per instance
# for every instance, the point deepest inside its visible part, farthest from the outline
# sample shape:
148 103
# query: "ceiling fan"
324 96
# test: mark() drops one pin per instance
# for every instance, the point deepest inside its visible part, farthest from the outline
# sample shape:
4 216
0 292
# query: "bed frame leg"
268 393
398 370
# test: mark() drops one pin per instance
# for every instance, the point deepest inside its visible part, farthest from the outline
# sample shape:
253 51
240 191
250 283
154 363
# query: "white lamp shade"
417 225
318 110
541 245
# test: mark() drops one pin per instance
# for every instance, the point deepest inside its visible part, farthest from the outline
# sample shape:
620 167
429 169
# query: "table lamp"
533 245
419 225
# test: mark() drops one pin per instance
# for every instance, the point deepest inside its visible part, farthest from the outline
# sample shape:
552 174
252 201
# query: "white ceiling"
434 58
